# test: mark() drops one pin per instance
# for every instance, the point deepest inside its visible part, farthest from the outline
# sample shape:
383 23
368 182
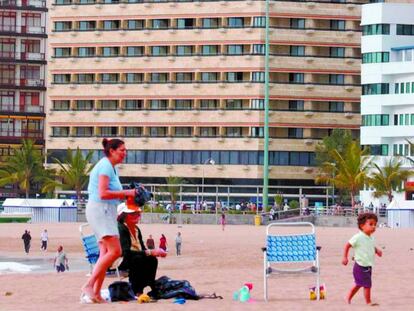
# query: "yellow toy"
144 298
322 292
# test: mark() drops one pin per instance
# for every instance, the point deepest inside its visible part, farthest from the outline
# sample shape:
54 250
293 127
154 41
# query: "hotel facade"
23 51
387 102
183 83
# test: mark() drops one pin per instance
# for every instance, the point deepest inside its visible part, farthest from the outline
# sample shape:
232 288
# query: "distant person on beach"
44 238
178 242
61 260
364 253
223 221
150 242
105 191
163 242
26 237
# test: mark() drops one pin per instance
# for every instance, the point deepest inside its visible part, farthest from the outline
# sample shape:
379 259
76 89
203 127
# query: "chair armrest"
318 248
264 249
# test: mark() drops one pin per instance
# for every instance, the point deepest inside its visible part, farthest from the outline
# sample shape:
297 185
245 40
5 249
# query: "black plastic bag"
166 288
121 291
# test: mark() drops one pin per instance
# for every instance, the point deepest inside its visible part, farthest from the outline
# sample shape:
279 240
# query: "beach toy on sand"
179 301
313 294
243 294
143 298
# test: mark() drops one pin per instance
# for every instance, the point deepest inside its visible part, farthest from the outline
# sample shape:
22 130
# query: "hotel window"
133 104
86 52
63 26
208 104
183 131
158 104
376 29
159 50
61 105
257 104
30 46
110 51
405 30
87 25
159 77
336 106
375 57
185 23
183 50
80 1
7 21
297 23
134 77
62 52
61 78
7 47
133 131
109 105
183 104
111 25
85 78
336 52
84 105
234 131
158 131
257 132
259 21
235 49
108 131
296 77
295 133
135 24
235 22
160 23
258 76
336 79
234 76
296 105
375 89
297 50
209 76
337 24
135 51
60 131
109 78
258 49
31 22
210 50
83 131
183 77
234 104
211 22
208 131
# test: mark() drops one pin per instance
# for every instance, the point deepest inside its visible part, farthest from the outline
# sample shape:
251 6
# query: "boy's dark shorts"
362 276
60 268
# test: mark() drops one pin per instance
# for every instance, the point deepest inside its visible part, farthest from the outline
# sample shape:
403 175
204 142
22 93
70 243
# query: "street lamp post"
208 161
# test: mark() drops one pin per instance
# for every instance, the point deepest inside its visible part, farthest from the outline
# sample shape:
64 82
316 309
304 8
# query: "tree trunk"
352 200
389 194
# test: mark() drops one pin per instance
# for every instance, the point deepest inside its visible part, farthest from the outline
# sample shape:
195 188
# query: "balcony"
37 84
21 134
23 56
25 30
23 3
21 108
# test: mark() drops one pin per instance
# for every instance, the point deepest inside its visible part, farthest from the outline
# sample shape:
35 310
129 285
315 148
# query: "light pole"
208 161
333 165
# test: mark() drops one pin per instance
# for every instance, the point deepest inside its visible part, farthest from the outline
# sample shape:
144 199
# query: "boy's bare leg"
352 293
367 295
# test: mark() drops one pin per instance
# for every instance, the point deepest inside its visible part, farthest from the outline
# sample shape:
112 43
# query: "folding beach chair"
291 253
91 248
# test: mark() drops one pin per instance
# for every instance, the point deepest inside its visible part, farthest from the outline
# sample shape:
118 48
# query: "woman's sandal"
85 299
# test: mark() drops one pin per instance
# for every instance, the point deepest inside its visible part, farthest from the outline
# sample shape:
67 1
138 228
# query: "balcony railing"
21 108
22 56
23 29
23 82
23 3
21 134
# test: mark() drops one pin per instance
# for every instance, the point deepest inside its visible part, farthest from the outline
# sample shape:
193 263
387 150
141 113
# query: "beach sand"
213 261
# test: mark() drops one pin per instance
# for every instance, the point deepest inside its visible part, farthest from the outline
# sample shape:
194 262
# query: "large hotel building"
22 76
182 82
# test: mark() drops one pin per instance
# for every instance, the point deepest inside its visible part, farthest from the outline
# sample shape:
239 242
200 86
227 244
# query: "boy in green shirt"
364 254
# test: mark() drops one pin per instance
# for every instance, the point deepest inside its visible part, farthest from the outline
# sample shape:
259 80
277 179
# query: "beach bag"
121 291
166 288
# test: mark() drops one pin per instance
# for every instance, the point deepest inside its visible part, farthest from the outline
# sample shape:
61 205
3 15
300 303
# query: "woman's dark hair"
121 218
362 219
109 144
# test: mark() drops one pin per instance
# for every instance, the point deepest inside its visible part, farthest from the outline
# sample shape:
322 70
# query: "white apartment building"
387 78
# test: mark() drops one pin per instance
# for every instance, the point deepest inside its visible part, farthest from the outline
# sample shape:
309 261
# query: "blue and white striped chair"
292 249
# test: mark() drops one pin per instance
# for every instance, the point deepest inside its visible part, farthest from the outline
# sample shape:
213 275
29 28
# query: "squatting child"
364 253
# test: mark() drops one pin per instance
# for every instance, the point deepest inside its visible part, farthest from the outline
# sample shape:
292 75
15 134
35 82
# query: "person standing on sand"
163 242
26 237
44 238
150 242
178 242
61 260
223 221
365 251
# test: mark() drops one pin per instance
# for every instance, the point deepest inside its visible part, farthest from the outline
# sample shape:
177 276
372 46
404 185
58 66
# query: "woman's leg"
142 271
112 250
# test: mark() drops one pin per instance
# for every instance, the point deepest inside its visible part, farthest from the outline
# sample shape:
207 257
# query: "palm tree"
24 167
173 188
74 170
350 171
389 178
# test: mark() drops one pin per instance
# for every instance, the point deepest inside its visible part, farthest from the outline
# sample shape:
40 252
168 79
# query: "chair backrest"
90 245
293 246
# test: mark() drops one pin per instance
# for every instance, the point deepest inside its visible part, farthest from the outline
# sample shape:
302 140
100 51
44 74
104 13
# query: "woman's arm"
106 194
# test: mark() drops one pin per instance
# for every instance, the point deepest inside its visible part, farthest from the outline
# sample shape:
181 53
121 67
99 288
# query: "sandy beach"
213 261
